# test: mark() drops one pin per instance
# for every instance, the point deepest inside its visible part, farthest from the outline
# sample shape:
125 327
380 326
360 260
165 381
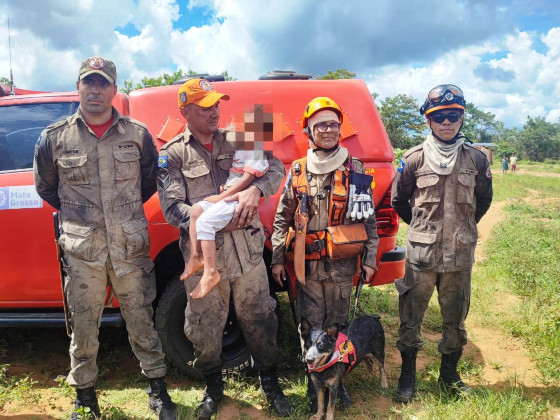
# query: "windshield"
20 127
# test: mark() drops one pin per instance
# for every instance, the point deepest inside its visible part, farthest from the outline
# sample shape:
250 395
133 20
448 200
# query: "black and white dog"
331 354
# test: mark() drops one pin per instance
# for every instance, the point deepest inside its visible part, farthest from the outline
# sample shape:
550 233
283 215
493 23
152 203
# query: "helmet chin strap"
447 141
319 148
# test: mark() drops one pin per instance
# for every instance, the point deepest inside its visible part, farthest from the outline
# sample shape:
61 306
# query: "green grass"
523 257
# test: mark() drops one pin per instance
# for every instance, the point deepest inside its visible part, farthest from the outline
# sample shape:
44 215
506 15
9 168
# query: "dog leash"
359 287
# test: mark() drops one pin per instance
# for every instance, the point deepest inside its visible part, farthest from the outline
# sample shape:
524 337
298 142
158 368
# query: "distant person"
97 168
505 164
513 163
442 189
214 213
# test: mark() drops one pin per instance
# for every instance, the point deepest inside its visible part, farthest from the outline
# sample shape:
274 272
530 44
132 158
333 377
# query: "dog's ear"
304 327
332 332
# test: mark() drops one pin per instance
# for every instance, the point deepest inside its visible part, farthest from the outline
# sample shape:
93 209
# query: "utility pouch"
346 241
315 244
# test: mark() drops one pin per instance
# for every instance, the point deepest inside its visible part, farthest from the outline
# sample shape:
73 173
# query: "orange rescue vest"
337 202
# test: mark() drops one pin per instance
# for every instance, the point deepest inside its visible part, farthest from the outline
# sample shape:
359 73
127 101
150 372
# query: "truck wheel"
170 320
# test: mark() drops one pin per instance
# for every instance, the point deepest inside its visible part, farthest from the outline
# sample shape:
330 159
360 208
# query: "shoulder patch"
402 164
162 161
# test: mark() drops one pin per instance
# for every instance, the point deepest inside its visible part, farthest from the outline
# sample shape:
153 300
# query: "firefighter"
315 181
97 167
442 189
193 166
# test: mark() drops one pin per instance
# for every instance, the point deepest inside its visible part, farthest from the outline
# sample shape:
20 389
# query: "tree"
339 74
404 125
540 139
164 80
5 80
480 126
508 142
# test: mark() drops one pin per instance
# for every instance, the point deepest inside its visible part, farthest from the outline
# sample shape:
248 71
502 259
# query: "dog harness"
345 352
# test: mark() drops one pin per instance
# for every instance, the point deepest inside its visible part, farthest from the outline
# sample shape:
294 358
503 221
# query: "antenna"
12 92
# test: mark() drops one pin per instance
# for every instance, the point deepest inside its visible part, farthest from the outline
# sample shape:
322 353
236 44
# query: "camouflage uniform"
325 297
442 211
99 186
188 173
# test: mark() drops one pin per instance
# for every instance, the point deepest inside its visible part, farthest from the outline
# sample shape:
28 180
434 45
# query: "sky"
504 54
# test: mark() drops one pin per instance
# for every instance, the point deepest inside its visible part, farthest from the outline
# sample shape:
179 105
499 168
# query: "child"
213 213
504 164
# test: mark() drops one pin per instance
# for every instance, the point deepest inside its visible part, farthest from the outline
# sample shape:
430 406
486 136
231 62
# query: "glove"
362 208
351 194
360 201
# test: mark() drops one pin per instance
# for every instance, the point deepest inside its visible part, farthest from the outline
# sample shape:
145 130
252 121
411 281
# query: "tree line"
537 140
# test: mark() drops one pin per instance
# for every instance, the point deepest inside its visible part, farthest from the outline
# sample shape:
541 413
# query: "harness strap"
344 352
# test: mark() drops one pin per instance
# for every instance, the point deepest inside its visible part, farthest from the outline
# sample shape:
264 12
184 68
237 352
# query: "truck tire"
170 320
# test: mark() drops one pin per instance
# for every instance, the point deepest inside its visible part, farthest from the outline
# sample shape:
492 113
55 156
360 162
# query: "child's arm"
239 185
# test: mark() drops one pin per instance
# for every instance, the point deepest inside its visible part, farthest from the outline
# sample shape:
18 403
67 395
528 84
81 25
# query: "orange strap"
299 245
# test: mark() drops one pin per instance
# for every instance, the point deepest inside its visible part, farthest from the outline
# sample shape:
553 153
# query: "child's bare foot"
209 279
194 264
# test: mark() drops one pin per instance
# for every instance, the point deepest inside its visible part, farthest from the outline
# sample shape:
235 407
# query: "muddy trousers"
325 297
206 318
86 289
454 295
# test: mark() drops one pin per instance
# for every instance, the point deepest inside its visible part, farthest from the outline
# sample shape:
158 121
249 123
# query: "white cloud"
396 46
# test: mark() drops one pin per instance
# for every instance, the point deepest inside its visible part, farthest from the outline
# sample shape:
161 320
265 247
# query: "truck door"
28 266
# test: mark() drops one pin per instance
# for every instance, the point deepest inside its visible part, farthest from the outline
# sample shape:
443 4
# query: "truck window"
20 126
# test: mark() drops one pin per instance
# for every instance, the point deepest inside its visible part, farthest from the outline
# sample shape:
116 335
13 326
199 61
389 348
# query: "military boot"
448 376
213 394
270 387
85 398
159 400
407 380
342 397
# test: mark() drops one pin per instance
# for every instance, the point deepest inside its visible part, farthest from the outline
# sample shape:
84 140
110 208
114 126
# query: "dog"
331 354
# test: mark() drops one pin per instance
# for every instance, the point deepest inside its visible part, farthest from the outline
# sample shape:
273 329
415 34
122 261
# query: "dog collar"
345 352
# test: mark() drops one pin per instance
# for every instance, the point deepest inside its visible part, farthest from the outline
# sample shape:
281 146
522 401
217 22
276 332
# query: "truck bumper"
52 319
391 266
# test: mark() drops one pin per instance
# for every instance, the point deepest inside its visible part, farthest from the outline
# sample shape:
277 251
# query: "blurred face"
326 128
96 95
442 126
202 120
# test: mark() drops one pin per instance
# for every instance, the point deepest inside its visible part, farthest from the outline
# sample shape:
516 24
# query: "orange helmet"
319 104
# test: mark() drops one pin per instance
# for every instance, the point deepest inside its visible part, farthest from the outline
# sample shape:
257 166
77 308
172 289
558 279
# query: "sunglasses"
322 127
453 117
